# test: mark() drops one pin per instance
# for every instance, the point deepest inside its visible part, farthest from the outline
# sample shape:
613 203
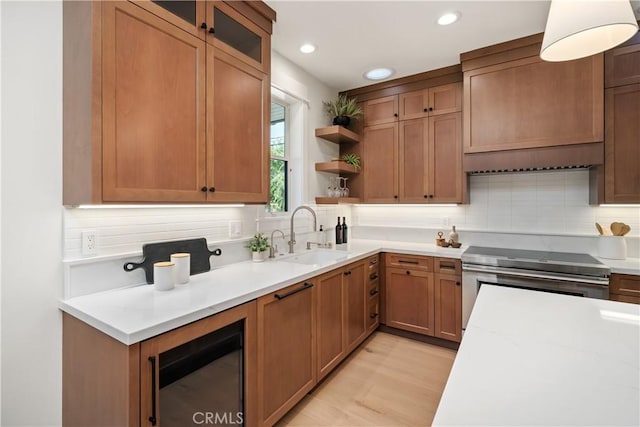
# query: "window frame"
285 157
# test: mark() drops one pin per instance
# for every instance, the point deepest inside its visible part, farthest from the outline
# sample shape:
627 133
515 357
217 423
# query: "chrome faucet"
273 249
292 234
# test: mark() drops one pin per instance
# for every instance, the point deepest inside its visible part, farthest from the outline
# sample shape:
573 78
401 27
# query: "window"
278 194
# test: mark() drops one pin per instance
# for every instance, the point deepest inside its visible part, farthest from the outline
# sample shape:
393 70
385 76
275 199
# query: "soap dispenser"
453 236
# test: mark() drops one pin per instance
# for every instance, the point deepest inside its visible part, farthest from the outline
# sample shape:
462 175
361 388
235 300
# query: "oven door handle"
604 281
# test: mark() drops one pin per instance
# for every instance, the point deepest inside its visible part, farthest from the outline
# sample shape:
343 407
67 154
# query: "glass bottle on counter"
338 233
344 230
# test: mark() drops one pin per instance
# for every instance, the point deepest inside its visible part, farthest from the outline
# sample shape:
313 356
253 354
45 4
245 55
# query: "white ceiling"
354 36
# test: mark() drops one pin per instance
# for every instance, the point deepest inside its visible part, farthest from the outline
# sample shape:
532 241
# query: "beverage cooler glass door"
201 382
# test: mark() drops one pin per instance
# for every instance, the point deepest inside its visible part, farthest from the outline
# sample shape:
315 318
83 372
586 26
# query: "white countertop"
534 358
622 266
134 314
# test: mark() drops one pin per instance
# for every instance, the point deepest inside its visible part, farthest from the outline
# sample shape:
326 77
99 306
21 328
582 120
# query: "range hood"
532 159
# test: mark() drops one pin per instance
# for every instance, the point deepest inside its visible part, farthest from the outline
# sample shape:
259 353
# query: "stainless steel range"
557 272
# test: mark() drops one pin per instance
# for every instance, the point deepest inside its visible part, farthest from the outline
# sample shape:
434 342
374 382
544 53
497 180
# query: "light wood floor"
389 381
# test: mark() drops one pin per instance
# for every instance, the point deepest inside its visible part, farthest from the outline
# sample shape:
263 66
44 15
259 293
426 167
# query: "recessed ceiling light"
307 48
378 73
448 18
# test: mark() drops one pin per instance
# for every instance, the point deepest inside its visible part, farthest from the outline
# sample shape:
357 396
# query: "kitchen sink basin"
316 257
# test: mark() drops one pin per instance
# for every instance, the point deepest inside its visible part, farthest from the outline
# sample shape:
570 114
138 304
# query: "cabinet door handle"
430 108
203 25
373 315
374 276
212 189
457 283
425 110
153 418
426 197
372 292
212 31
431 196
395 114
307 285
395 197
408 272
408 261
347 273
203 189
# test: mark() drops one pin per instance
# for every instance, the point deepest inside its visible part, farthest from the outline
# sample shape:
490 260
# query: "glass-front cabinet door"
235 34
189 15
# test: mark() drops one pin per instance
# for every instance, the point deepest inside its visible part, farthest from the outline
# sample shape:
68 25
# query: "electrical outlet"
235 228
89 244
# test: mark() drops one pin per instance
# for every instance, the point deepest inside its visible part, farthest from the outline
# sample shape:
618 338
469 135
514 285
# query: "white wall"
288 75
31 212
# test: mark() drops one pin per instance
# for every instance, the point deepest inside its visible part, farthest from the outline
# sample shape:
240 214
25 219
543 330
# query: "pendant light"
576 29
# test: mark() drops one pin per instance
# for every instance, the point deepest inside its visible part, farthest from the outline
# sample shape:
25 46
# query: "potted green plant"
352 159
258 246
342 110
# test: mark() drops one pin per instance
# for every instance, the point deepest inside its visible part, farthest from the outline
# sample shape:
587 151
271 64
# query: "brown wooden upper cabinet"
244 27
158 110
417 160
514 100
430 102
622 64
381 110
622 124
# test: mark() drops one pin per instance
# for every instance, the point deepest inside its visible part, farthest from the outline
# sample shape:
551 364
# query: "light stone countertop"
134 314
534 358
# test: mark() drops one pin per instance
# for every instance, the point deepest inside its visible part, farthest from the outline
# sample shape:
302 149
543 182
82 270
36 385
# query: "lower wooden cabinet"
624 288
341 314
331 322
286 350
106 382
355 287
421 301
409 299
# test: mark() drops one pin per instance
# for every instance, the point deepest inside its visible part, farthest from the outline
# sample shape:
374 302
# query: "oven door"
473 277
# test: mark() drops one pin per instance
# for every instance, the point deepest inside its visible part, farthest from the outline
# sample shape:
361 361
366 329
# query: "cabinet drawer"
625 284
372 266
447 266
624 298
413 262
373 291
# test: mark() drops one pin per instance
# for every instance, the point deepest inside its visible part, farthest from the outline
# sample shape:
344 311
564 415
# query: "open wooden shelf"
337 134
336 166
336 200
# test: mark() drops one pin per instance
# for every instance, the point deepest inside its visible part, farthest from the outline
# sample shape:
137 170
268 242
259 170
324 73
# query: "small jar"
163 275
182 268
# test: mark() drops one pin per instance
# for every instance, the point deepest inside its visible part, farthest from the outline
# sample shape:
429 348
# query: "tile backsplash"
550 202
125 230
554 202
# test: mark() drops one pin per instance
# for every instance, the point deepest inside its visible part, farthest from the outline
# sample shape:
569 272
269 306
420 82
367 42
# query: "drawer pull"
152 418
307 285
373 292
373 315
373 261
374 276
347 273
408 261
447 266
408 272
